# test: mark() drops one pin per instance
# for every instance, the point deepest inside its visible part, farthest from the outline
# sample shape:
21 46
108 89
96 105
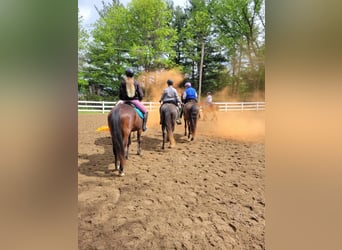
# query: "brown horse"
168 116
211 109
191 116
122 120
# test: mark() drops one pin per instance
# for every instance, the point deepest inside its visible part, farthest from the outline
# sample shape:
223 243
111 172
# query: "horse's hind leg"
172 139
116 162
138 141
189 130
128 143
121 168
122 160
185 127
164 135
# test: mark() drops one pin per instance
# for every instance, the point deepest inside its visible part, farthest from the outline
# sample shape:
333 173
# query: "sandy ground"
205 194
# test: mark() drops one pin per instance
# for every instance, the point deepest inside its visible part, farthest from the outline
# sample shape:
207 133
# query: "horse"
168 116
191 116
122 120
210 109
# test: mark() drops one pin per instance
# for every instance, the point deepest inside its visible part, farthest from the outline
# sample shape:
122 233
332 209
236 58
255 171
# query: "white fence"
241 106
103 106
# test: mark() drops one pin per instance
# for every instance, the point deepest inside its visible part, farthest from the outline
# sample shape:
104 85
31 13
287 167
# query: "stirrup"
179 122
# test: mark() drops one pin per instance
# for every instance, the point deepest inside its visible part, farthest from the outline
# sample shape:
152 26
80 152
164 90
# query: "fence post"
242 106
257 106
103 107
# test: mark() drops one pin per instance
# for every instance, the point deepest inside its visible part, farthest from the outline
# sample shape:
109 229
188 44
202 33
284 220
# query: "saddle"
190 100
173 102
140 114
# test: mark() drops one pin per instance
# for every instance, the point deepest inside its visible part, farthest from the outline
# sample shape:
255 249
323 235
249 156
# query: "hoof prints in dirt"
207 194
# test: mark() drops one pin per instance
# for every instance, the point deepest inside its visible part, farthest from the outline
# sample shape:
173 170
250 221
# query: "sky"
89 14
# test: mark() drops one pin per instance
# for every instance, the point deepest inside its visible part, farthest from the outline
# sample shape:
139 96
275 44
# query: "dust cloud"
236 125
245 126
225 96
154 82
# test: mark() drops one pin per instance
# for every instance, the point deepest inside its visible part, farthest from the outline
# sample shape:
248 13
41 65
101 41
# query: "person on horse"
131 91
209 100
188 95
170 95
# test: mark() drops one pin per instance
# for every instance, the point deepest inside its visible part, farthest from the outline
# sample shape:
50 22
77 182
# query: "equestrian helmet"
129 72
169 82
188 84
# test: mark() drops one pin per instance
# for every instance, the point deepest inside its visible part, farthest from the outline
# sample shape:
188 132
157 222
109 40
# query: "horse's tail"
114 123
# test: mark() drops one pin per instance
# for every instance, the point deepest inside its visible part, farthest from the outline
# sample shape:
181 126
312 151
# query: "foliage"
151 35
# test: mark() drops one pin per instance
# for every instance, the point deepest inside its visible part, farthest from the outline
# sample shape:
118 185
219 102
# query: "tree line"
215 44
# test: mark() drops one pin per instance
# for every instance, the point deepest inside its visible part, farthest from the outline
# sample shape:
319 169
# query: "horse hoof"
121 174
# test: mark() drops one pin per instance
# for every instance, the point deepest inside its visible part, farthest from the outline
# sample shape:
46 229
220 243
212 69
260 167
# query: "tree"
153 39
83 37
137 36
238 25
218 43
195 35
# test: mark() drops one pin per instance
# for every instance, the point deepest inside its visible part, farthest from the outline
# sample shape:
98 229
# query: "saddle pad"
141 115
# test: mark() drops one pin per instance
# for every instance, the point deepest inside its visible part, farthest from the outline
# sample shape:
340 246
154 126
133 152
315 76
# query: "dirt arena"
205 194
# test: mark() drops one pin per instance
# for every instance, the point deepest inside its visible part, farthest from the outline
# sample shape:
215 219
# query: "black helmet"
129 72
169 82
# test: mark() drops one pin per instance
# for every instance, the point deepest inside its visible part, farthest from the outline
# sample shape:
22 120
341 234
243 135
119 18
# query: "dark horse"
191 116
168 116
122 120
210 109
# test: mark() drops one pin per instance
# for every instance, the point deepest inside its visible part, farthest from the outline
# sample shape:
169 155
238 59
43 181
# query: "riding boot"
144 122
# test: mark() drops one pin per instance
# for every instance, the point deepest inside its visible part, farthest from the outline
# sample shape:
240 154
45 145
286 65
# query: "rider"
170 95
188 95
130 90
209 100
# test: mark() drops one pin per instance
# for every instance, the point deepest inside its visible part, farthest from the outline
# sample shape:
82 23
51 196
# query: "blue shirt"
189 93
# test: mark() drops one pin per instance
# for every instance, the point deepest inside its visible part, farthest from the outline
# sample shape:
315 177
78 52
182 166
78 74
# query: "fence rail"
104 106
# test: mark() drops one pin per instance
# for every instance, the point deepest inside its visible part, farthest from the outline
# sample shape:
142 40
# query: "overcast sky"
89 14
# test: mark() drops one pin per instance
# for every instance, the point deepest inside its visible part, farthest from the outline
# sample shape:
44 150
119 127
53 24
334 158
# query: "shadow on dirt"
98 164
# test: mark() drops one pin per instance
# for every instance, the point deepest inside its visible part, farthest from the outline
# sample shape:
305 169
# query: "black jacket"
139 94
